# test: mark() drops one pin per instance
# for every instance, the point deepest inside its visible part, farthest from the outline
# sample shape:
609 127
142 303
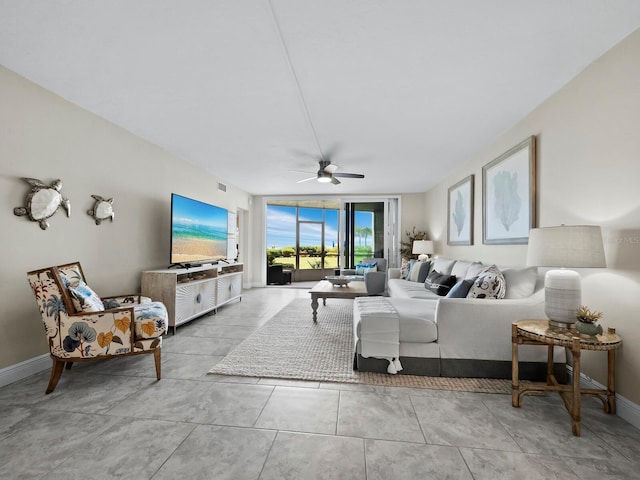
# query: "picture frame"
460 212
509 195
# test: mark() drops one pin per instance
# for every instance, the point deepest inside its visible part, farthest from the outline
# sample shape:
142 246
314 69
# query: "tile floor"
112 419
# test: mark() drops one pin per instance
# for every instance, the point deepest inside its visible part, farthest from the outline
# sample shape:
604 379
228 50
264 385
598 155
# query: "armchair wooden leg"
56 372
157 358
68 365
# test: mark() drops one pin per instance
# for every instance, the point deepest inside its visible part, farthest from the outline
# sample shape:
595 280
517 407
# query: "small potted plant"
587 321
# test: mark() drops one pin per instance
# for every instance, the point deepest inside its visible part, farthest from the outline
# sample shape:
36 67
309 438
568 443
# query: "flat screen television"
198 231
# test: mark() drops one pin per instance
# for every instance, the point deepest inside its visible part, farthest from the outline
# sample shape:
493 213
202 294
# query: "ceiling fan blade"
335 181
307 179
331 168
301 171
348 175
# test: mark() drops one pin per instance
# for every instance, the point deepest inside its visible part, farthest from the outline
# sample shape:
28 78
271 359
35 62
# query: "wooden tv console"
191 292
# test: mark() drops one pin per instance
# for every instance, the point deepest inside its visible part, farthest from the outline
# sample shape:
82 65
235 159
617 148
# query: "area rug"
290 346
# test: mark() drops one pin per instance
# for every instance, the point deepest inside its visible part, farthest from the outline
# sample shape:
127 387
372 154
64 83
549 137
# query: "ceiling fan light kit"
324 177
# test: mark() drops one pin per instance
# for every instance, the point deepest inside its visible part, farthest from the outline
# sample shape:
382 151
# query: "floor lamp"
566 246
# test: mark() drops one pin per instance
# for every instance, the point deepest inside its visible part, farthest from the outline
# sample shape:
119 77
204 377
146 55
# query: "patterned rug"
290 346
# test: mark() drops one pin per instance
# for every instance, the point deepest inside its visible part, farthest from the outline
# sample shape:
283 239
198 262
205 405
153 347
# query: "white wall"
588 173
46 137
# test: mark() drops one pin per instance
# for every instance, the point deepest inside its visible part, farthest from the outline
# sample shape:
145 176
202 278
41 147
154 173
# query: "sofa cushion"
84 299
460 268
439 283
442 265
474 270
461 289
150 320
419 272
416 320
520 281
399 288
489 284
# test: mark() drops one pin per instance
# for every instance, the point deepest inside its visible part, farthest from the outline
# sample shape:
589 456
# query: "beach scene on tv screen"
198 231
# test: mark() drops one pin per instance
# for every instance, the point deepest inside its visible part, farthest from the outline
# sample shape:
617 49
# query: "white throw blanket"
379 331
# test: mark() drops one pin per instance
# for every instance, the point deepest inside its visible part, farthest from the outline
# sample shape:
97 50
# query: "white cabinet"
191 292
229 287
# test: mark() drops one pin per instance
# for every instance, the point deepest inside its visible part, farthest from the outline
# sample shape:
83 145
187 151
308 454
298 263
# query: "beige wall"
46 137
588 173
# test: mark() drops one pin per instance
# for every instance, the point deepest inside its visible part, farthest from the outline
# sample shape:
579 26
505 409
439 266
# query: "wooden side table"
538 332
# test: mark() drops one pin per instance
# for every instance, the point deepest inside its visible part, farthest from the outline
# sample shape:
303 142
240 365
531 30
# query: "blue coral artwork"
460 212
508 200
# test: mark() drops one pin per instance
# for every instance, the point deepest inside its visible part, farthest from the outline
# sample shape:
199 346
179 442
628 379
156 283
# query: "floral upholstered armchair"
81 326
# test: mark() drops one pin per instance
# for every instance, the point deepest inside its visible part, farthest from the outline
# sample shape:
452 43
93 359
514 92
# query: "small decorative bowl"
338 281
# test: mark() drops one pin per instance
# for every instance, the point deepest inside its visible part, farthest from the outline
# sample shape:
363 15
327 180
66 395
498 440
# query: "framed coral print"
509 195
460 213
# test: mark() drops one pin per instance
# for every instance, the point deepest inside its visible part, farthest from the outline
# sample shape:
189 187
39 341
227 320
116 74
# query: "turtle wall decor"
102 209
43 201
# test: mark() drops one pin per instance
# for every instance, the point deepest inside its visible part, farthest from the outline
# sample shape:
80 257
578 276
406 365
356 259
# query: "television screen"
198 231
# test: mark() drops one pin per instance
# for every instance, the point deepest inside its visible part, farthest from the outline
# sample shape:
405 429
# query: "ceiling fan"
328 173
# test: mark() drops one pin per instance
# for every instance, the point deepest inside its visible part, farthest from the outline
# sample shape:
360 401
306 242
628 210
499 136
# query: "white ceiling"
408 89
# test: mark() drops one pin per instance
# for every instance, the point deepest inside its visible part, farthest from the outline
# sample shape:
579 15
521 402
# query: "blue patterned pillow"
84 299
363 268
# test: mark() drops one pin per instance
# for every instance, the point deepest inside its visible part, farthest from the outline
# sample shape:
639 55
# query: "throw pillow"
489 284
404 268
363 268
461 289
520 281
439 283
419 272
84 299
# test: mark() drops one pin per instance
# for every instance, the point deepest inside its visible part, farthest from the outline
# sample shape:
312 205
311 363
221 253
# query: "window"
304 238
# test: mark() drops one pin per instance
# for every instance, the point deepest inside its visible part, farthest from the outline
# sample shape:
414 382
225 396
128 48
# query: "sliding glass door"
365 227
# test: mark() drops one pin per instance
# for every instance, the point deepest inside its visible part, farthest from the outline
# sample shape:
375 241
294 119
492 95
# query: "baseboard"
21 370
625 408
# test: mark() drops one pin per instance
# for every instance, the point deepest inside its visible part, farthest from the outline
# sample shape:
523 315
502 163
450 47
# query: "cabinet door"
193 299
229 286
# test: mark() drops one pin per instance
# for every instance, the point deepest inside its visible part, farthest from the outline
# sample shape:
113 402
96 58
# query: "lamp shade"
572 246
575 246
421 247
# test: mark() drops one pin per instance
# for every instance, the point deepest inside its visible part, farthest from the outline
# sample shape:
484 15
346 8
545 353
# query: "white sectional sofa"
455 337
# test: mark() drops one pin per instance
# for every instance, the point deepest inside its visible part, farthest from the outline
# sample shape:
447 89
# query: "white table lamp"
422 248
573 246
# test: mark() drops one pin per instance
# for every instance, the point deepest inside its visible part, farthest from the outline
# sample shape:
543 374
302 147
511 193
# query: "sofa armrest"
481 328
394 272
376 282
127 300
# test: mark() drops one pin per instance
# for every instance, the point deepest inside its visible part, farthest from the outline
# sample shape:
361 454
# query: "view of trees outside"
281 236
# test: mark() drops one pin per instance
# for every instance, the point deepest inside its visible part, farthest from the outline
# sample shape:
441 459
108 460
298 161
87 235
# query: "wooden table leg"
515 386
550 372
314 308
575 402
611 382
